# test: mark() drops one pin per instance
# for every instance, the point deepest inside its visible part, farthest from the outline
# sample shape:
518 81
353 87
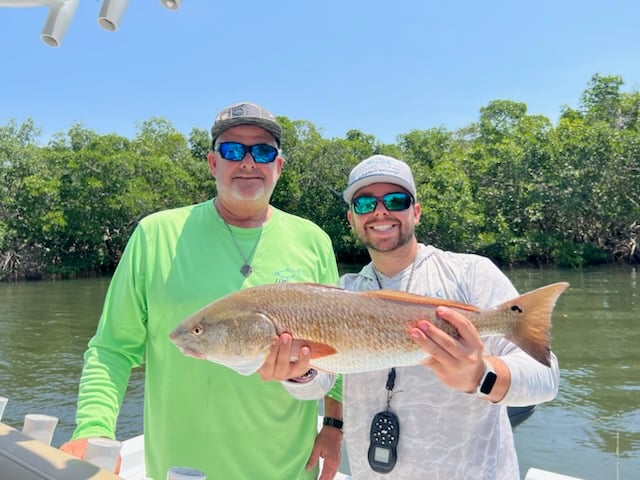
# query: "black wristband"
333 422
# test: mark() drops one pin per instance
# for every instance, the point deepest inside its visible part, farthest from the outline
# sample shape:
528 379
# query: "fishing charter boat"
133 457
30 457
61 13
25 458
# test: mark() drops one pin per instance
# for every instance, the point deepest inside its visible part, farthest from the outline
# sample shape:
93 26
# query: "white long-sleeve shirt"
444 433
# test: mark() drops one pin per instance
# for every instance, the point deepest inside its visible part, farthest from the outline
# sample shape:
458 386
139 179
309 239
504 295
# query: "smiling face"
245 180
382 230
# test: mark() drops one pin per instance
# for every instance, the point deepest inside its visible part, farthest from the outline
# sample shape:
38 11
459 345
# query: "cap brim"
272 127
351 190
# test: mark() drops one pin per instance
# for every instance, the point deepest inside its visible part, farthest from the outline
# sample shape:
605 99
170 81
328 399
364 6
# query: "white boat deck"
133 464
132 467
18 450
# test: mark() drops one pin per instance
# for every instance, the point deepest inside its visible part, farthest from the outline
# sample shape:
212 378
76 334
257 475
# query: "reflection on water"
591 430
45 330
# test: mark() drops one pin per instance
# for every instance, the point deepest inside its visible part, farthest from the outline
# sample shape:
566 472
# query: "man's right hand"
78 448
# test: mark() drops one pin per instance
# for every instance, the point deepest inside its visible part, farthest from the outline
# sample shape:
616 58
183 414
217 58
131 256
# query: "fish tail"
532 331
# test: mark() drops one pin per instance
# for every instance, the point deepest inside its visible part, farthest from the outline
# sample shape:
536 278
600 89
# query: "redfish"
350 332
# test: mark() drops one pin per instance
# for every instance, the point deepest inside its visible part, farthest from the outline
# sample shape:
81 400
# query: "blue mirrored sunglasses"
394 202
234 152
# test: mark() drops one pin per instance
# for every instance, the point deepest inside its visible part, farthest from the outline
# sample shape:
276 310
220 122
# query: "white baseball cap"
379 169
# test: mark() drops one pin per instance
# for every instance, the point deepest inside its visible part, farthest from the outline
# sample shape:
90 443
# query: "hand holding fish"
456 361
279 366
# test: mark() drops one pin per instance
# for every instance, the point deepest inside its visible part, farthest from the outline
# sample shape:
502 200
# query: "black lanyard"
391 381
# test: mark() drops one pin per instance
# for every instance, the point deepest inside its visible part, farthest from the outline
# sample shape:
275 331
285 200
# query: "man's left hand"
457 362
286 360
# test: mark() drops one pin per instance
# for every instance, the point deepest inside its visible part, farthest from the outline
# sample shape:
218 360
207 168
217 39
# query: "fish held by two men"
349 332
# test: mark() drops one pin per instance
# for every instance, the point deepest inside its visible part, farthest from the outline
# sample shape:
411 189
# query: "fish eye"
197 330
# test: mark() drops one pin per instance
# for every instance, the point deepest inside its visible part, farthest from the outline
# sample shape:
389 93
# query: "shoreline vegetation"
510 186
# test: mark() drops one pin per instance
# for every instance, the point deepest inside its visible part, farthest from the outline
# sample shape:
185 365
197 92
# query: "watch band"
333 422
487 381
307 377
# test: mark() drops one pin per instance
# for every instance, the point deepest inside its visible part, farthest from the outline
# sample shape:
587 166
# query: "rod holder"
58 21
111 14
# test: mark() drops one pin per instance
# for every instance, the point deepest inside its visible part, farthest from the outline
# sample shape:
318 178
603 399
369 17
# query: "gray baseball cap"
379 169
245 113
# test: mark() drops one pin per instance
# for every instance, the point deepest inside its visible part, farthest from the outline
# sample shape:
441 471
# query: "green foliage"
199 144
450 217
70 208
314 175
512 186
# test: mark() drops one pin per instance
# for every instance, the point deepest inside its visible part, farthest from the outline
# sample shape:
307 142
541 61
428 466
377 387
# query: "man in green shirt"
196 413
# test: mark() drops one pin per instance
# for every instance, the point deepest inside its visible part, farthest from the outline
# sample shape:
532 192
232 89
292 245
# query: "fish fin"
532 332
318 285
400 296
319 350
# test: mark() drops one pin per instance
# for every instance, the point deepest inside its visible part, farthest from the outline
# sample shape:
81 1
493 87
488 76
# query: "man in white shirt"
449 416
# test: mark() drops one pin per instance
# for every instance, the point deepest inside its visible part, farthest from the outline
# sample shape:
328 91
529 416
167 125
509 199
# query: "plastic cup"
103 452
40 427
185 473
3 403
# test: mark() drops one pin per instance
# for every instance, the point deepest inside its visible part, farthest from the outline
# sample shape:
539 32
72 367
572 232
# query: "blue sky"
382 67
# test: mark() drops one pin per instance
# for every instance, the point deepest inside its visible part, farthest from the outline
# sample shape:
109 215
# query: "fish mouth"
192 353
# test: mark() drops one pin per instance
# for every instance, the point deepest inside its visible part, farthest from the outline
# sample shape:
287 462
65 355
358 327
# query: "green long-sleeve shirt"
197 413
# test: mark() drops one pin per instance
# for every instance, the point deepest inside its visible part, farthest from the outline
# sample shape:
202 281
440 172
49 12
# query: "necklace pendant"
246 270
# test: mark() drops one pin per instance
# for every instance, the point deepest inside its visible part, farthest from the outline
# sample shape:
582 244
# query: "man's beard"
387 245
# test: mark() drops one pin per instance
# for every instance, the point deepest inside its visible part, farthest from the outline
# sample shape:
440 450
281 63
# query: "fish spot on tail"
532 332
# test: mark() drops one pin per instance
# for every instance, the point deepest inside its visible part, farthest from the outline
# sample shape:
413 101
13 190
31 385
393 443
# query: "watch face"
489 382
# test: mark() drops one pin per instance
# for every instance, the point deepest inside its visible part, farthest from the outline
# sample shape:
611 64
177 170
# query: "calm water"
591 430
